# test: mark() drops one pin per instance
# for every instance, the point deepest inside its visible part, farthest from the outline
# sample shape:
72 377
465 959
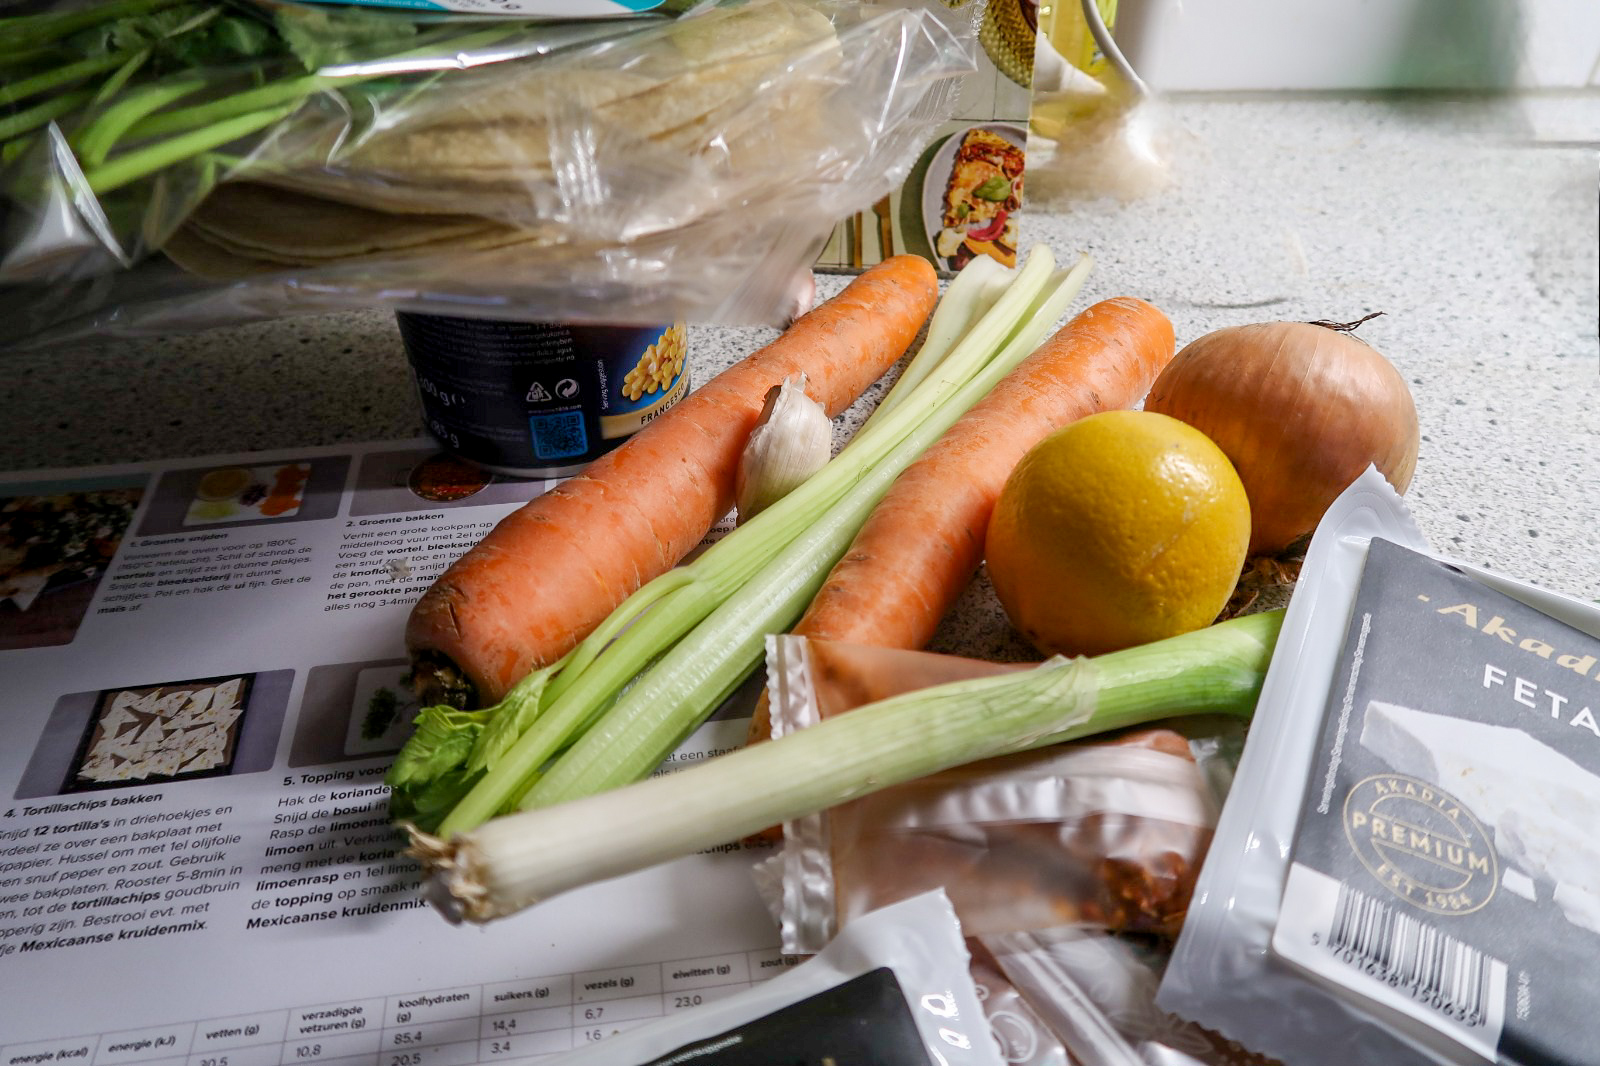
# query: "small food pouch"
1110 833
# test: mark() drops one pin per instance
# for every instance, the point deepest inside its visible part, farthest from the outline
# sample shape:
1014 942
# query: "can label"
539 399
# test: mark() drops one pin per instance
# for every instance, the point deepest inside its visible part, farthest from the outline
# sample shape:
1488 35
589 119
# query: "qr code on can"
559 436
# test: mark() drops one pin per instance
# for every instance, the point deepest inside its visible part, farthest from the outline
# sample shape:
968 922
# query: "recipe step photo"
56 541
354 711
425 479
159 733
229 495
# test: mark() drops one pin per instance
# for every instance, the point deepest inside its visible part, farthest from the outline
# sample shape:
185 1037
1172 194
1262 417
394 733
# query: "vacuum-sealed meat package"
1406 869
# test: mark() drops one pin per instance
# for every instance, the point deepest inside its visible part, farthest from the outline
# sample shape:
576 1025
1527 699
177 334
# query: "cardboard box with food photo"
962 197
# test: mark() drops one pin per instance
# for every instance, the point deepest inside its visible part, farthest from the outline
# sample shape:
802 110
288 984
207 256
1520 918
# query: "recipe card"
204 666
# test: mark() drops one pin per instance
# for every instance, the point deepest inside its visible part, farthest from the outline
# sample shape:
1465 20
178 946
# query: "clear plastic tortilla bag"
1110 832
201 162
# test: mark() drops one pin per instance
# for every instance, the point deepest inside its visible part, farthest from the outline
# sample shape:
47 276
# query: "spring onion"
513 862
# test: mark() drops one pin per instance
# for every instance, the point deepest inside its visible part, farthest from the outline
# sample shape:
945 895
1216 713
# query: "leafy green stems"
140 35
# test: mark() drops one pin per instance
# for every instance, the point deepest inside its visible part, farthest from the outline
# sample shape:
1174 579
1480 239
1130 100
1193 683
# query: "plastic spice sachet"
1109 833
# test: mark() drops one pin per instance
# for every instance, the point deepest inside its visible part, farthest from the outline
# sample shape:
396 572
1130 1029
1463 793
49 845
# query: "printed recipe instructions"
203 665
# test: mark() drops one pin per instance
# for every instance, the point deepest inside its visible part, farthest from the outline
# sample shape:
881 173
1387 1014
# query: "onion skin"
1300 410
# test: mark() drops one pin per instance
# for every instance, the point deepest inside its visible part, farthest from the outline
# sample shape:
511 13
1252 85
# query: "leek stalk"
513 862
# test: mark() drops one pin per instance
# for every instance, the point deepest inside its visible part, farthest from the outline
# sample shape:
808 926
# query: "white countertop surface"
1471 223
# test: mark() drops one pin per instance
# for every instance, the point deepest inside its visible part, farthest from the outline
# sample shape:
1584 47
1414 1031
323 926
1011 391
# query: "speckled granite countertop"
1471 223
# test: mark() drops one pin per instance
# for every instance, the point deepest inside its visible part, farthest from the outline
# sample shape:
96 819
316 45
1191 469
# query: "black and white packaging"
1406 870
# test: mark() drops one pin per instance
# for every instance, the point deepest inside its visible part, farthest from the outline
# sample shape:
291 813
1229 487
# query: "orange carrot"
552 571
924 541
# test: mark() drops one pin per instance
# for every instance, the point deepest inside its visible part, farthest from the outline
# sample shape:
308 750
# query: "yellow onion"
1300 409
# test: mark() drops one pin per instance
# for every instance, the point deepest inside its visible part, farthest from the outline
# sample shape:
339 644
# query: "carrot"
923 542
552 571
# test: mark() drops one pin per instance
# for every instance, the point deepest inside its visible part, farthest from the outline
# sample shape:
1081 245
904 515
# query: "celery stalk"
675 697
516 861
1016 323
973 292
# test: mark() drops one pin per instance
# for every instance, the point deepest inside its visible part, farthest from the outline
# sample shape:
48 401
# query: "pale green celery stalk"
618 620
70 74
448 741
974 290
685 686
698 587
516 861
43 113
512 715
142 162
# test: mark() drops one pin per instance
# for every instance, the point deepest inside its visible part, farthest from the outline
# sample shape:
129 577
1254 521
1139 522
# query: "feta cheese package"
1405 869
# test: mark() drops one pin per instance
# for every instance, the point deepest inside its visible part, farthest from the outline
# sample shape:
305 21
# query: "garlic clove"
791 441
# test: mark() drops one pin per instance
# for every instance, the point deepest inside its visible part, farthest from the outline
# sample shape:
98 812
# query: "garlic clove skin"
791 441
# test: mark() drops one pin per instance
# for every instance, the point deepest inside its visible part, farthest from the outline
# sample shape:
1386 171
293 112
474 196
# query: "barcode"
1435 968
559 436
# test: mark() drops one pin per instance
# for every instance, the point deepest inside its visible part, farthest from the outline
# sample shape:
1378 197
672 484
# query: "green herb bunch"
154 101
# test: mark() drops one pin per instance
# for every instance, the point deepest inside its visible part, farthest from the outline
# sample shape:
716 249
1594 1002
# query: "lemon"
1119 529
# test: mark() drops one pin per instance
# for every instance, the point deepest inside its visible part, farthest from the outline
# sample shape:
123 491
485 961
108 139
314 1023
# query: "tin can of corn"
540 399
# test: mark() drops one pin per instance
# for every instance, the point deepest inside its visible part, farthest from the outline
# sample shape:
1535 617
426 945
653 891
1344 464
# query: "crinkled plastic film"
634 170
1023 1037
1095 991
1110 833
